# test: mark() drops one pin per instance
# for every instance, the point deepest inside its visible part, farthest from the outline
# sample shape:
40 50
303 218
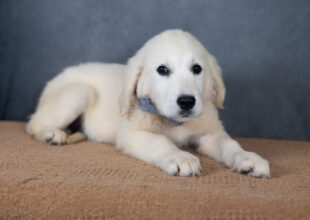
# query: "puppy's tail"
75 137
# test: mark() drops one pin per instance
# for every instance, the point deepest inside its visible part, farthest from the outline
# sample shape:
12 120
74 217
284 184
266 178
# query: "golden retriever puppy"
164 99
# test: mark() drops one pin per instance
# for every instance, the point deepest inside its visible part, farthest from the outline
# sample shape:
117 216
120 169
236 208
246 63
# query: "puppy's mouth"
186 114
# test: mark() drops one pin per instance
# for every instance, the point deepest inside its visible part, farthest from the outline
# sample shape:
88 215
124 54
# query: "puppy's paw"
182 164
52 136
251 164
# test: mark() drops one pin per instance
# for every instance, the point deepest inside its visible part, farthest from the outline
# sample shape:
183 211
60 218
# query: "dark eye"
162 70
196 69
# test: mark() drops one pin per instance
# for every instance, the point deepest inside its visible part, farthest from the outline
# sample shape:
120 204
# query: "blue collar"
147 105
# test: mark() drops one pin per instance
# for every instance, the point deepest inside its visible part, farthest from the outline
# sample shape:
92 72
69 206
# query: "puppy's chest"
183 136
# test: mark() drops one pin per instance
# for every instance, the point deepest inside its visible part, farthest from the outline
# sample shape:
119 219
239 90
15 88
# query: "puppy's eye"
162 70
196 69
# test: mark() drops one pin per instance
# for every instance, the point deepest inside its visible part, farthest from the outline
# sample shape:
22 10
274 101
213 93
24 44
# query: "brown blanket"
92 180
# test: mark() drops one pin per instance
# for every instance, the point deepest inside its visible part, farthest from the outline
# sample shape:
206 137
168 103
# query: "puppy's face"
174 80
175 71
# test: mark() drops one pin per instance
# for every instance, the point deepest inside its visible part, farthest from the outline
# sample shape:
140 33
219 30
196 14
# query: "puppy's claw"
247 171
48 140
55 143
261 177
189 175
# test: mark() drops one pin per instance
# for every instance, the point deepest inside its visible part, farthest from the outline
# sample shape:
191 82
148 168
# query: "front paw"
251 164
182 164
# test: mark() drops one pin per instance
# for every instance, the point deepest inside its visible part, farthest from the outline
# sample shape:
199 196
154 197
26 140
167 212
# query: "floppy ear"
132 74
218 90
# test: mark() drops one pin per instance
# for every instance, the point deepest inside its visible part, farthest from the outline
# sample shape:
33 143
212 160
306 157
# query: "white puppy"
165 98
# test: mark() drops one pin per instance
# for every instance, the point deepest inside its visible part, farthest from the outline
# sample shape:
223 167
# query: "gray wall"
262 46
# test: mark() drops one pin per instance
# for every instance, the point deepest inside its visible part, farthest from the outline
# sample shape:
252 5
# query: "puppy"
165 98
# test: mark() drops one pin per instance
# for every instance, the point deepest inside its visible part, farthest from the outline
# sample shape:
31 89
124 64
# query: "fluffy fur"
107 96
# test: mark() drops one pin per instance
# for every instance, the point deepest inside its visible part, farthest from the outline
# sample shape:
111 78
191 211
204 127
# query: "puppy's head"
177 73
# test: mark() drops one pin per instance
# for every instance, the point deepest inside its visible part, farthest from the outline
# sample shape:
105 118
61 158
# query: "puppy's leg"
159 151
56 110
224 149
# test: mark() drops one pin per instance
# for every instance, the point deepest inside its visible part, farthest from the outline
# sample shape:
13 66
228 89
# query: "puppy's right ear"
132 74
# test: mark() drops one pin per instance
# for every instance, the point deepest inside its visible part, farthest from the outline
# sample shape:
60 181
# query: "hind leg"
58 107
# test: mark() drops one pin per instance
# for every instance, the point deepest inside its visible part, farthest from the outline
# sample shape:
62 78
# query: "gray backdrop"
262 46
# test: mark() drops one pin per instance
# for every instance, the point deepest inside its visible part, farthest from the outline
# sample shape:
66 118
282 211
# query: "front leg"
159 151
224 149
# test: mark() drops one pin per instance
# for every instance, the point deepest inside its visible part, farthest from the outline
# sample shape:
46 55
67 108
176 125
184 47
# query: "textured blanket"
93 180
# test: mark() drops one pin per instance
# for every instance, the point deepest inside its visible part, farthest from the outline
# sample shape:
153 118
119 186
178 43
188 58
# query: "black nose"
186 102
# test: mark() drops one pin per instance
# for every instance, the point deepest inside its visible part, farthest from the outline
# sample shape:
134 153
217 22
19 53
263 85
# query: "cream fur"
107 96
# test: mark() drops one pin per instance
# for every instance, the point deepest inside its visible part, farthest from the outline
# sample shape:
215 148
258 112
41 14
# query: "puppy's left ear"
132 74
218 89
